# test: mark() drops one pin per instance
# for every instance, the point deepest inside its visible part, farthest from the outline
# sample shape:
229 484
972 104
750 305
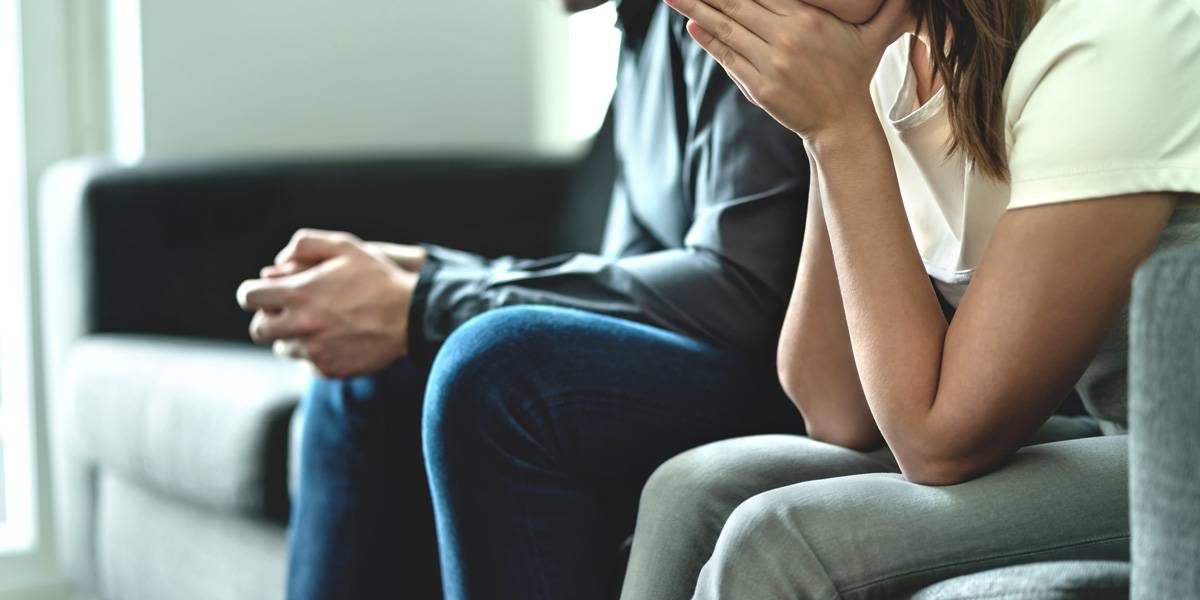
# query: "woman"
1024 157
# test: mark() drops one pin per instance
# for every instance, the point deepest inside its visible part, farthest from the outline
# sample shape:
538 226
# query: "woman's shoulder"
1112 23
1109 47
1101 101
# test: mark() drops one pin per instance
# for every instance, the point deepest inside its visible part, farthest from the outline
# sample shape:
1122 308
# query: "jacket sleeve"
727 283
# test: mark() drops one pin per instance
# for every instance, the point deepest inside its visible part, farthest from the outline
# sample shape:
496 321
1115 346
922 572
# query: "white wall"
307 76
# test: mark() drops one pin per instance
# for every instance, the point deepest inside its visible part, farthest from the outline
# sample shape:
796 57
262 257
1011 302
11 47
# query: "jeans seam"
1086 542
540 570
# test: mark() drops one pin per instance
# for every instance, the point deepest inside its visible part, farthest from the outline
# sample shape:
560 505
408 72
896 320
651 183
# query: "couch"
171 433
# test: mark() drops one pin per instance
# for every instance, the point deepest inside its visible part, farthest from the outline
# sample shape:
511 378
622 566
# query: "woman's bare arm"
953 401
816 362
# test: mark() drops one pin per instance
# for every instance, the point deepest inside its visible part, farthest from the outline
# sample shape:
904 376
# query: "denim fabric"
542 424
362 526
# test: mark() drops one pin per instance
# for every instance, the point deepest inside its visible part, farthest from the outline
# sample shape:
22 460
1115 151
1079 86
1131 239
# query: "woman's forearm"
816 363
895 323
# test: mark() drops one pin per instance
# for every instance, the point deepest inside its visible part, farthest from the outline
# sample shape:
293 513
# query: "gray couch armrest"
205 422
1164 427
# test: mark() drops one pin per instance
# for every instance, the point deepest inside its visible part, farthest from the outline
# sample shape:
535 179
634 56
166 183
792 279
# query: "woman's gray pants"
788 517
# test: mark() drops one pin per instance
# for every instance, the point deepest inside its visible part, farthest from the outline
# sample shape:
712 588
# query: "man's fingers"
314 246
288 324
283 270
289 349
742 28
264 294
739 69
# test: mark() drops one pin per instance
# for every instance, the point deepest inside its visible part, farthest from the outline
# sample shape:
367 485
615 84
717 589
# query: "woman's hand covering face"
805 67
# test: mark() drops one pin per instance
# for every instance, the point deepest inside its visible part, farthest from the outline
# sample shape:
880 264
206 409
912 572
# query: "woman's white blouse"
1103 100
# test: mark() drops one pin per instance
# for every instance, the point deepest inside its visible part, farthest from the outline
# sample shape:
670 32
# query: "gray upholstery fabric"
152 547
202 421
63 241
1075 580
1165 427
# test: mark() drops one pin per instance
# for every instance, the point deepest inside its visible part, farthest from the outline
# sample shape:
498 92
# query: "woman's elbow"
852 436
944 471
840 428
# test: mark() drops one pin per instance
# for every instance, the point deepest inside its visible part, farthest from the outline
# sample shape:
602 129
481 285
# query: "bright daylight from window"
16 531
594 41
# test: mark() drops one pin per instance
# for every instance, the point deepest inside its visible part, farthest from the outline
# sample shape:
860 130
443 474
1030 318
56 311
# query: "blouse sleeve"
1104 100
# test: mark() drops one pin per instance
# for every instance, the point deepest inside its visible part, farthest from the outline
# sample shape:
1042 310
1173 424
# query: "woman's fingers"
778 8
894 18
733 28
742 89
741 70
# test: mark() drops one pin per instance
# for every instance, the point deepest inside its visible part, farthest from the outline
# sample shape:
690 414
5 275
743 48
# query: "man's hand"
407 257
334 300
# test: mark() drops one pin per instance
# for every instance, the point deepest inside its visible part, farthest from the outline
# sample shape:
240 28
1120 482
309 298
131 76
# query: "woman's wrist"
849 135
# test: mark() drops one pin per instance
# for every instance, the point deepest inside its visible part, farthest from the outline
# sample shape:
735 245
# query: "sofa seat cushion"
206 422
1062 580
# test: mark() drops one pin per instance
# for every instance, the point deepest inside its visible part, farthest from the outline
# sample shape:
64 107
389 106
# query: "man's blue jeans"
540 427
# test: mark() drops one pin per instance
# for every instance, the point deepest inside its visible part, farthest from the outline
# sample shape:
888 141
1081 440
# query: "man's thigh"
607 399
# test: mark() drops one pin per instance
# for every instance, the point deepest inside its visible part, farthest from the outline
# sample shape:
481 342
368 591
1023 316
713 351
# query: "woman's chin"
850 11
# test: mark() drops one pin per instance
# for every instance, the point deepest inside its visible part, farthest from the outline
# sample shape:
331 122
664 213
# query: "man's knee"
339 411
478 381
496 339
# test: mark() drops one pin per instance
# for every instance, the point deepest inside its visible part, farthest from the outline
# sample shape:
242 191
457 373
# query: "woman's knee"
762 553
688 493
715 478
701 486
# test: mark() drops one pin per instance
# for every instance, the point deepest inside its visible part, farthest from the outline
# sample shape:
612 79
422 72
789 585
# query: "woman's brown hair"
978 40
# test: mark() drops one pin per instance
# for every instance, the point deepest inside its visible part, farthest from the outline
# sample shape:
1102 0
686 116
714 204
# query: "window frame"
18 531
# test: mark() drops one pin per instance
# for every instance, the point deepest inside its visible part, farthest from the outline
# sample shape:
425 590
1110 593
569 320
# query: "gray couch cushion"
150 547
1164 427
1073 580
203 421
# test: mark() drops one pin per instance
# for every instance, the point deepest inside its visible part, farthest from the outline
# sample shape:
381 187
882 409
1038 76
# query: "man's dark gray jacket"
707 214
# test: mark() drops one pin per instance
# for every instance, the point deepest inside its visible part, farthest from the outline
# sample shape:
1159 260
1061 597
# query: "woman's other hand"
808 69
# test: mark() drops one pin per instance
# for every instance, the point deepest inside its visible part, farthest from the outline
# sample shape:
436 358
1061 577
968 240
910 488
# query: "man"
701 245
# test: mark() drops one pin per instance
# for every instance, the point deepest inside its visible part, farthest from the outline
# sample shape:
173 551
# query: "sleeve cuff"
420 352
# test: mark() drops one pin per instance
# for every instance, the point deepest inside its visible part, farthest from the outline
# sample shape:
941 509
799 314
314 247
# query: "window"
16 459
594 48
